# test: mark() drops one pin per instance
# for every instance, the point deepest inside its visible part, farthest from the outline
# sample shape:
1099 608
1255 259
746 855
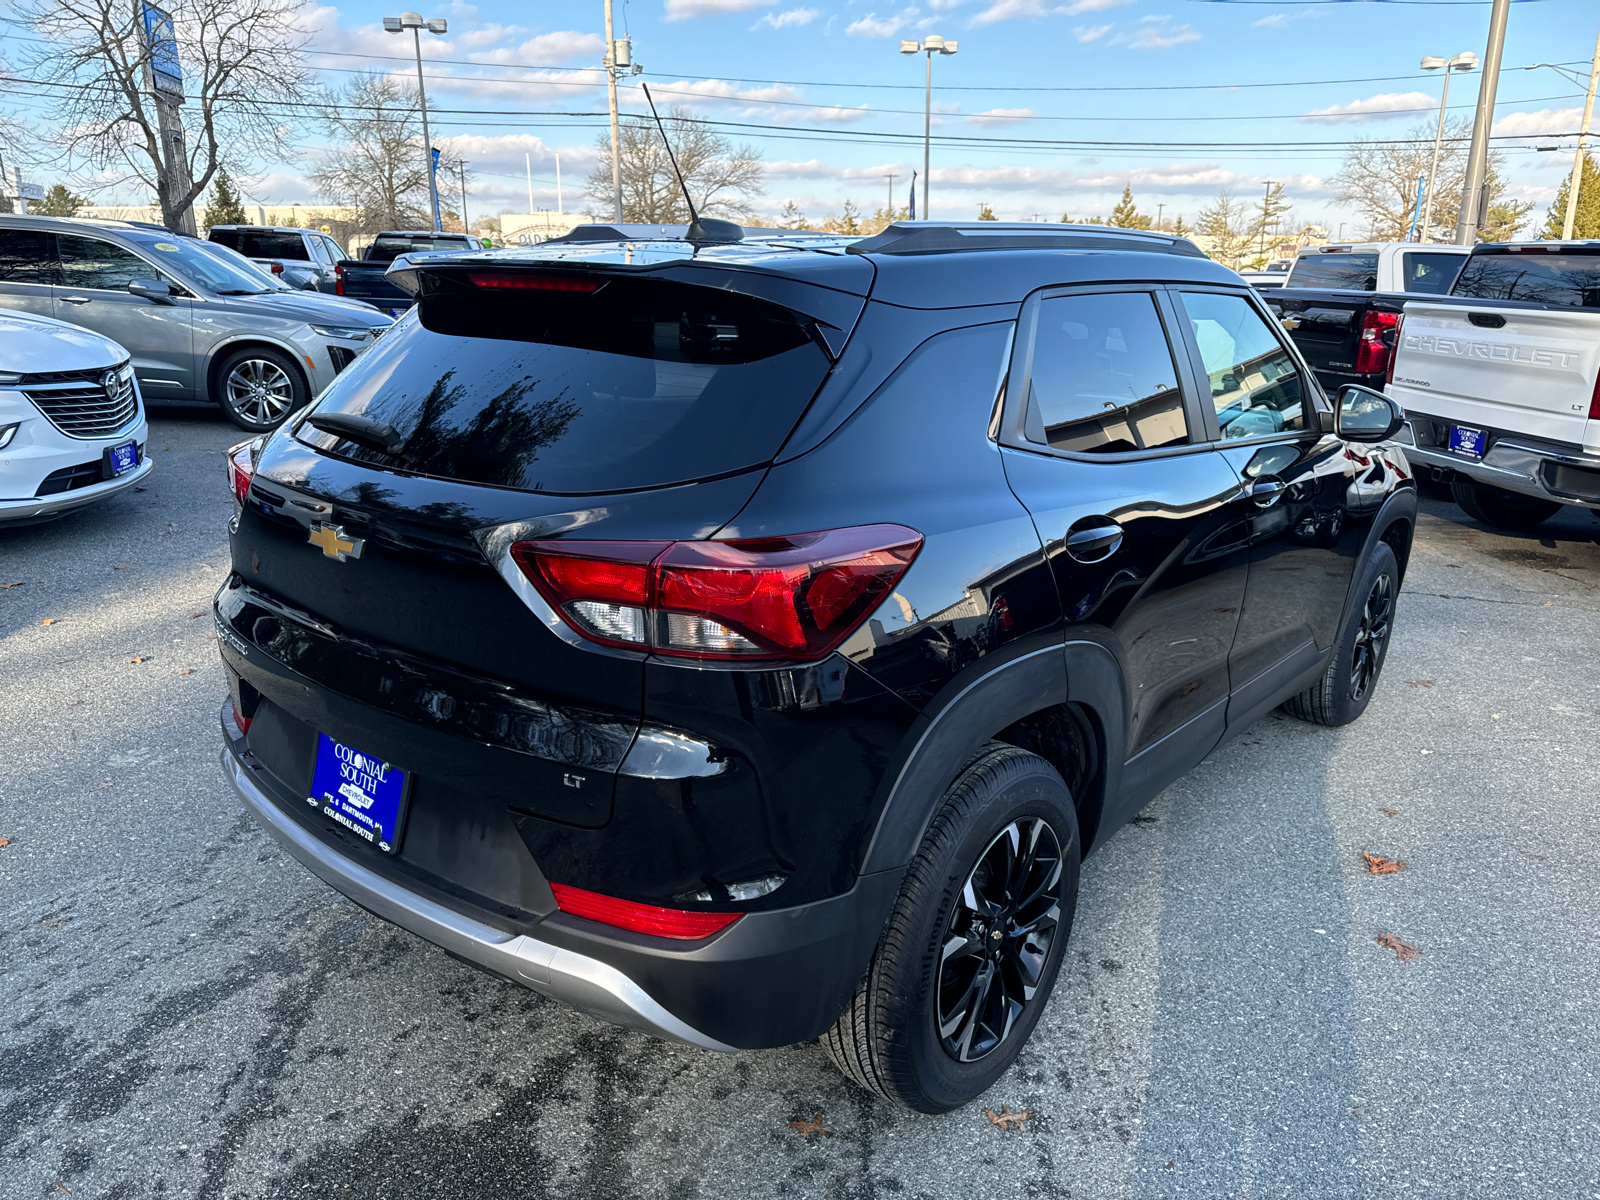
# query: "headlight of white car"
342 331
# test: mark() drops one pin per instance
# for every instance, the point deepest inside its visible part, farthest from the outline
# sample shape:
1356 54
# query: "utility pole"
1583 138
1160 208
163 76
611 89
889 212
1474 191
461 169
527 161
559 208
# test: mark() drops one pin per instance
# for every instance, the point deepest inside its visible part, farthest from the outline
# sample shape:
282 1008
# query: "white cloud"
548 49
874 26
1090 33
1284 20
1012 10
685 10
1544 123
1375 108
997 117
792 19
1156 33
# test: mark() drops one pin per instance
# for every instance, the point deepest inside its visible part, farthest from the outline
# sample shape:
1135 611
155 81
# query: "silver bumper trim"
64 502
1508 465
575 979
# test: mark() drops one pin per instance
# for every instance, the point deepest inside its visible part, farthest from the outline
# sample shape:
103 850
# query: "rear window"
639 384
1351 272
263 243
1567 280
388 249
1430 273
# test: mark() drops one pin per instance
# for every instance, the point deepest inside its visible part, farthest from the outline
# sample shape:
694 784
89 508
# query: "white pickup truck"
1501 382
1377 267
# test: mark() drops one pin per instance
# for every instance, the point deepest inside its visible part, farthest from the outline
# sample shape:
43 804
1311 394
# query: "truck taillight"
795 597
1594 401
338 280
1399 332
1372 352
241 468
277 268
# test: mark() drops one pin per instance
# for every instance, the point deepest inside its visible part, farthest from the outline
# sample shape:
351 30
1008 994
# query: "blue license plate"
1464 440
397 312
124 458
361 792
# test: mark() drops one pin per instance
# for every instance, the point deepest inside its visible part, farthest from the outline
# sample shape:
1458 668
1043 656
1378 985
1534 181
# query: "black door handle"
1267 491
1094 539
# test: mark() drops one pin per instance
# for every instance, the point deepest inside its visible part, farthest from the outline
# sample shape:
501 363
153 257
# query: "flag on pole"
912 205
1416 217
438 220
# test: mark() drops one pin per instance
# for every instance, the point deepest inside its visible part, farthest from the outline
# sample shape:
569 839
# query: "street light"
434 25
1571 216
1465 61
931 45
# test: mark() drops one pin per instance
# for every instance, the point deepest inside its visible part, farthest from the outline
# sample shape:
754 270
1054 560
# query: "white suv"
72 427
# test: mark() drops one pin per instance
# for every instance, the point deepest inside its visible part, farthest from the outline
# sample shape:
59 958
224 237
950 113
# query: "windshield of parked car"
1568 280
238 261
634 384
190 263
387 249
1348 272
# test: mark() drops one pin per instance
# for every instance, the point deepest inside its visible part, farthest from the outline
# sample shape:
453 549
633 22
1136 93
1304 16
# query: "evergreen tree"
1126 214
1179 228
225 207
1066 219
846 222
791 217
1586 223
292 221
58 202
985 213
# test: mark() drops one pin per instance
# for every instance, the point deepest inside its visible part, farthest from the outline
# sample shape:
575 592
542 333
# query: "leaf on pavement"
1006 1119
192 616
186 671
1389 812
119 568
1420 682
139 659
1404 951
810 1128
6 587
48 621
1378 865
5 842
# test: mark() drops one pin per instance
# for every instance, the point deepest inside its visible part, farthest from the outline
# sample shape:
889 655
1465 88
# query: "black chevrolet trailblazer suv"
745 640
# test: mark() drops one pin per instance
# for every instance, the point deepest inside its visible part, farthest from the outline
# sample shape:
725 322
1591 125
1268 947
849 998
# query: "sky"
1176 98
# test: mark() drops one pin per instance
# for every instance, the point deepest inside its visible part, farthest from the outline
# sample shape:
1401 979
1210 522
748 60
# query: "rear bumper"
584 983
1566 476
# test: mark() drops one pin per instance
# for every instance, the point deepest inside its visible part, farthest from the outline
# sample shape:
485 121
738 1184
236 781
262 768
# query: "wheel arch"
220 352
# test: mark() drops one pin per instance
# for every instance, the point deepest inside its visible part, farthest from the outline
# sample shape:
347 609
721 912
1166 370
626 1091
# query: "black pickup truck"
364 278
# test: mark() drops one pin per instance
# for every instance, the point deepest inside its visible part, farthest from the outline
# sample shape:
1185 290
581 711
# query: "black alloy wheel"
998 939
1372 636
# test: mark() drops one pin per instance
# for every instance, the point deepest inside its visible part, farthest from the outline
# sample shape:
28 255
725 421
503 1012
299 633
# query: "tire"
916 1032
258 387
1346 687
1500 508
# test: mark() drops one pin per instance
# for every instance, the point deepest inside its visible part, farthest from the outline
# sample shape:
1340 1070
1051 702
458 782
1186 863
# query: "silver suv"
198 327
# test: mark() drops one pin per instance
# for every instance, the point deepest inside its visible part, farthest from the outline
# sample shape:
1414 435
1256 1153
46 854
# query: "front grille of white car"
77 403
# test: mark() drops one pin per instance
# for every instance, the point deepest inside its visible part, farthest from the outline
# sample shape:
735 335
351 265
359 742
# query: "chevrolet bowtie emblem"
333 541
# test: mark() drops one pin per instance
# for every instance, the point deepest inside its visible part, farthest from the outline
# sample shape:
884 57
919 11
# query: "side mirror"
155 290
1363 415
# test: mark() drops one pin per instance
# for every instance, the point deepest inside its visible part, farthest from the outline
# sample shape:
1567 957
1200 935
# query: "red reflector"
1372 352
242 721
641 918
240 469
780 597
529 281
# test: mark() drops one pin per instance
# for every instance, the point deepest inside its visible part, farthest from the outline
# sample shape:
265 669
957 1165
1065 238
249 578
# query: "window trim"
1318 400
1012 431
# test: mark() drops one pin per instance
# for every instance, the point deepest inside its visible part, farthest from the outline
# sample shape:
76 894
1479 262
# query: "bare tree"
242 82
1224 227
1379 179
722 178
376 165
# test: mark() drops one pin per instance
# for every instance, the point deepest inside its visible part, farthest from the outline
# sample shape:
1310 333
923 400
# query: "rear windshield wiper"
364 431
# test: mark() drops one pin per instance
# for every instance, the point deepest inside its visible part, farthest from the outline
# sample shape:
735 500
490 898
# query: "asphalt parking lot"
185 1012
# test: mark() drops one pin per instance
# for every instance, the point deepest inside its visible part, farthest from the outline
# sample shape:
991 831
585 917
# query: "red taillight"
239 719
1372 353
240 469
641 918
277 268
1399 332
1594 401
529 281
794 597
338 280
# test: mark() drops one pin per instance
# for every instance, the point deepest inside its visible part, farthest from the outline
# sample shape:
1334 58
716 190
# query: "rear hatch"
524 400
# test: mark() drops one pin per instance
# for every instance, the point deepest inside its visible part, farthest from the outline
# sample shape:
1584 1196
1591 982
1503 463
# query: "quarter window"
25 257
1103 378
1255 384
90 263
1433 273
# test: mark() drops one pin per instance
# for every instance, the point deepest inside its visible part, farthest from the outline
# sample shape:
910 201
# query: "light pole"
461 168
930 45
434 25
1474 193
613 47
1571 217
1465 61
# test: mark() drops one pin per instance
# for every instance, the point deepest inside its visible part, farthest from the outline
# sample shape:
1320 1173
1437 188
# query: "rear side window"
90 263
25 257
1103 378
1431 273
637 384
1255 384
1349 272
1568 280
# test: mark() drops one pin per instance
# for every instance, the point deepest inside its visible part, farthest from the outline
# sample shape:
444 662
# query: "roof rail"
942 237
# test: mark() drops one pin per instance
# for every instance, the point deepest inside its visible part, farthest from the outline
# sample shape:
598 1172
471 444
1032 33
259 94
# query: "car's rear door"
1140 515
27 270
